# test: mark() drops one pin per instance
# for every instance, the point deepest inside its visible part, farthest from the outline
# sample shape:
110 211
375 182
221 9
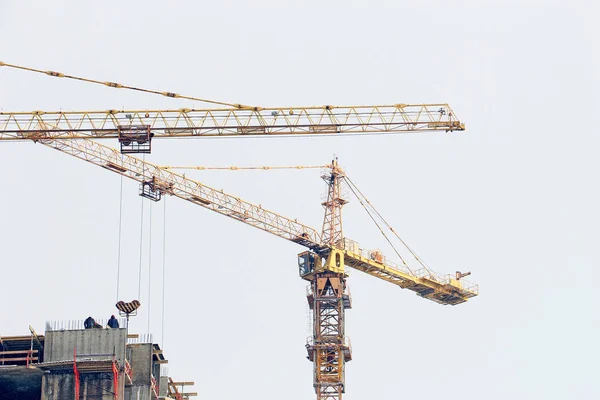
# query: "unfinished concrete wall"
140 358
90 343
164 386
138 393
92 386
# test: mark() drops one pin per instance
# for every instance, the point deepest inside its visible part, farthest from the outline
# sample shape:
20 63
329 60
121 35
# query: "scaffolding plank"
2 353
18 359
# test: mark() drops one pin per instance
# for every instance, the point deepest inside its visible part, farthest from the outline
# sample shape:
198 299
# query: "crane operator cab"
307 262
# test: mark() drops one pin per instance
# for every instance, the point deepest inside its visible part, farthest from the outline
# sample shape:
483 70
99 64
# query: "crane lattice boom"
174 184
229 122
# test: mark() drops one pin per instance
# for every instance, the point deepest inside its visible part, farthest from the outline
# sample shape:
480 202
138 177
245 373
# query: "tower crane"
328 252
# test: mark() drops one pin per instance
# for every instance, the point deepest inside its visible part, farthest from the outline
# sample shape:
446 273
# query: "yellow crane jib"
445 290
142 126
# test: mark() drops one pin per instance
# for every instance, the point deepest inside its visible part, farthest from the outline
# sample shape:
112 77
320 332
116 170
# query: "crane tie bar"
121 86
235 168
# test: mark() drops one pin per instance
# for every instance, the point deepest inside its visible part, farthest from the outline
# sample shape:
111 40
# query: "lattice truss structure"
332 223
134 124
328 349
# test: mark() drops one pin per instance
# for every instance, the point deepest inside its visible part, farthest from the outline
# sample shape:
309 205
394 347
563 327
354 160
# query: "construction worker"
113 322
89 323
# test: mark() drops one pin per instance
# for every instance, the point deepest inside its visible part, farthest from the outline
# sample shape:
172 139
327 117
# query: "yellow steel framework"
236 119
322 120
329 252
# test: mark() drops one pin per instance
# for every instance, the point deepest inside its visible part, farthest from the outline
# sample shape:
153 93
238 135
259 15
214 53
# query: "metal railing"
142 338
366 253
432 276
463 285
310 342
466 286
77 324
94 357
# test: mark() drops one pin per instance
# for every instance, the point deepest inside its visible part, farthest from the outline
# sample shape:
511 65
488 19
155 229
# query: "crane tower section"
332 224
328 297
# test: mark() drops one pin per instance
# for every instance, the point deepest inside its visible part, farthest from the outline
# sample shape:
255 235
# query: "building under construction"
71 362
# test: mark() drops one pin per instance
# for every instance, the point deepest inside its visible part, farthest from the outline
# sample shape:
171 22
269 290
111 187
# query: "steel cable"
120 230
378 226
121 86
414 254
162 336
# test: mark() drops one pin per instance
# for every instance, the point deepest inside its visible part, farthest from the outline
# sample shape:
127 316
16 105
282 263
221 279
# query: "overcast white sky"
514 199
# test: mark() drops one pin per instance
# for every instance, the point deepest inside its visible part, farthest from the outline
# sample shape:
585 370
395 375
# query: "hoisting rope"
121 86
360 196
235 168
141 246
120 229
162 323
149 264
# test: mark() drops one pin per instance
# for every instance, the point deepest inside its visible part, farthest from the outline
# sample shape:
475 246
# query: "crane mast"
328 299
332 224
